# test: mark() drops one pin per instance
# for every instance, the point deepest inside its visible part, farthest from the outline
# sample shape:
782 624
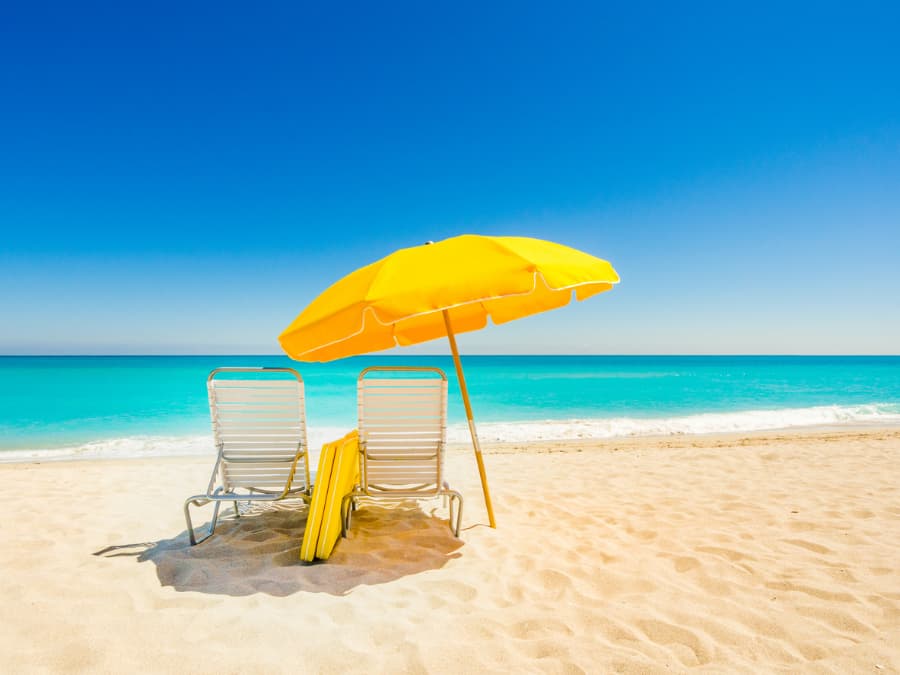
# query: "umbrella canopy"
436 290
399 300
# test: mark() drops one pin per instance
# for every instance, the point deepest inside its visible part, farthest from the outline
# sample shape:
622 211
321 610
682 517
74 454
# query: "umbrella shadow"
260 552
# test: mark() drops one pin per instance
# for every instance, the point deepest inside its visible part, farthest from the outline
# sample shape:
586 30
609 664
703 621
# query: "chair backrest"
259 425
402 430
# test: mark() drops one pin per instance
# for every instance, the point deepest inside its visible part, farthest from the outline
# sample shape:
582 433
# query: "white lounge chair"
259 428
402 437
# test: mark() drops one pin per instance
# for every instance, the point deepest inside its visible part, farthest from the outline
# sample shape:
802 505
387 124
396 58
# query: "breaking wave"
546 430
704 423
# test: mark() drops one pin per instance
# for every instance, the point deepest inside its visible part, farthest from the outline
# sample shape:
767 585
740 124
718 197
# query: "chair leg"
187 517
346 508
237 513
455 496
200 500
215 518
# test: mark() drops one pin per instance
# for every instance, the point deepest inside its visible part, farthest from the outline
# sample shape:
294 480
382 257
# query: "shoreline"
537 446
715 439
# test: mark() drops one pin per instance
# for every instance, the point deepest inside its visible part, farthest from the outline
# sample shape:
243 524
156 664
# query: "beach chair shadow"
262 554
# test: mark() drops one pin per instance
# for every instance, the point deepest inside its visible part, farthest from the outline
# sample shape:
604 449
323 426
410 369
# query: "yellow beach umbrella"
438 290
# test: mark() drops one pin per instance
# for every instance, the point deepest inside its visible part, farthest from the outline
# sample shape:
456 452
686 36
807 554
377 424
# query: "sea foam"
151 446
704 423
488 432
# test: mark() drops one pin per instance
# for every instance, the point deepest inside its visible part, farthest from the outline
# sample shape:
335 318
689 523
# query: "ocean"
122 406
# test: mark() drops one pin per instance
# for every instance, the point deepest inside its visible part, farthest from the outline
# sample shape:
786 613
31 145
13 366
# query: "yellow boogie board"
337 474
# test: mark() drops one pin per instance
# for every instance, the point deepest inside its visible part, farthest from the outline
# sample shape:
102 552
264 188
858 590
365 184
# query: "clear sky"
180 178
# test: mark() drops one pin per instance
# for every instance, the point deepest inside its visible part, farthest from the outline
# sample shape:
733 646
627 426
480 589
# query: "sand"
774 552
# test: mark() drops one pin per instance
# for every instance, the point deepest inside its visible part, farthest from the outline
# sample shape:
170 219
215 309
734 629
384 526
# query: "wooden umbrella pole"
472 431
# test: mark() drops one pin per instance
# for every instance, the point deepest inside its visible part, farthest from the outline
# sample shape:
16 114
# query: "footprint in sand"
842 621
533 629
453 591
727 553
890 610
287 558
686 564
543 649
809 590
552 583
809 546
688 643
841 574
260 536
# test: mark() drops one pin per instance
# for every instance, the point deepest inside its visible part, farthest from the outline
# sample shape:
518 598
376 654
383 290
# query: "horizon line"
401 356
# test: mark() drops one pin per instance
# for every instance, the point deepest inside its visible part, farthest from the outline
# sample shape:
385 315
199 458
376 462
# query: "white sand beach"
773 552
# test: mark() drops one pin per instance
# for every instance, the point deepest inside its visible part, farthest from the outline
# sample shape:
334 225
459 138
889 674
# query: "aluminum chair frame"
271 444
394 448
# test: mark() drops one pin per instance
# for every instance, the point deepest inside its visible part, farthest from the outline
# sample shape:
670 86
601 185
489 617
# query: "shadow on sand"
260 552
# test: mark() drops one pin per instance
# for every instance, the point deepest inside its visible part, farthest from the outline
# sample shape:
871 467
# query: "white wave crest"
705 423
545 430
151 446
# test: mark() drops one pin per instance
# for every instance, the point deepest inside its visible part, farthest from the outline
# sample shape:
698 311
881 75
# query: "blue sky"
186 179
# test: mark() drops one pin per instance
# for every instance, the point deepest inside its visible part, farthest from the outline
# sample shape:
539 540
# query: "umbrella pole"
465 396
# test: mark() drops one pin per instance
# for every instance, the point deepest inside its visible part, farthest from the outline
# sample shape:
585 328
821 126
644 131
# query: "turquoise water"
109 402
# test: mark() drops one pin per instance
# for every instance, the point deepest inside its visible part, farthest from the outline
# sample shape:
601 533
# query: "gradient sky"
185 179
